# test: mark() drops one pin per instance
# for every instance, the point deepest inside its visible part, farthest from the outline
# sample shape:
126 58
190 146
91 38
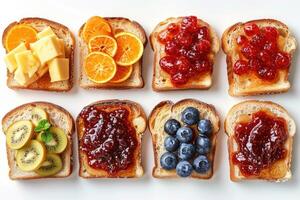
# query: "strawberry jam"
260 143
260 53
109 139
187 46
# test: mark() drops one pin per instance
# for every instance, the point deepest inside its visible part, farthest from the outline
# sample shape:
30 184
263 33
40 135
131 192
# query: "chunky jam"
187 46
260 143
109 139
261 53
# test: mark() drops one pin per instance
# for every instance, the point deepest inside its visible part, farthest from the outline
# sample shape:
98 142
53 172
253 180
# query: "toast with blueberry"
260 137
259 57
184 136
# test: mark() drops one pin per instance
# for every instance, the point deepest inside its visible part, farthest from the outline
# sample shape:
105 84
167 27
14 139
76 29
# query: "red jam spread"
109 139
260 53
260 143
187 46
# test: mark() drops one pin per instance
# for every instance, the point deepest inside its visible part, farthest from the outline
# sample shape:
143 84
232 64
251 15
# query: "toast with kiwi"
260 138
38 141
184 136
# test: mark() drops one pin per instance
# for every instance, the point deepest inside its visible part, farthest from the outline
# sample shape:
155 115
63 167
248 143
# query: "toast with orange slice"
111 51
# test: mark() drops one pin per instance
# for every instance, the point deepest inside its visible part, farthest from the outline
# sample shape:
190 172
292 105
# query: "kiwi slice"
19 134
51 166
37 114
30 157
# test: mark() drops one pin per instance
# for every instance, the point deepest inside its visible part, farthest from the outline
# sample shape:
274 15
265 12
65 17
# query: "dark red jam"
260 143
109 139
187 46
260 53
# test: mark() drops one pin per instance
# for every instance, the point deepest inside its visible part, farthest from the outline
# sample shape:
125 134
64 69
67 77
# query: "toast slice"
246 85
137 119
279 170
118 24
166 110
161 80
59 117
43 83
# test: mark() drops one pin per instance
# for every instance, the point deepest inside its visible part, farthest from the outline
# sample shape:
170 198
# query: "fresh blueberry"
171 144
171 126
203 144
201 164
186 151
184 169
205 127
190 116
184 134
168 161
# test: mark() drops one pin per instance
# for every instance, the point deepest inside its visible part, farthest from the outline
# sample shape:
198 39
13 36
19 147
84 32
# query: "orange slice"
130 49
95 26
122 74
103 43
20 33
100 67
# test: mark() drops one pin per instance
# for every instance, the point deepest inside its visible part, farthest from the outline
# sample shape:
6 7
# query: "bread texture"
280 170
161 80
118 24
250 84
139 122
166 110
59 117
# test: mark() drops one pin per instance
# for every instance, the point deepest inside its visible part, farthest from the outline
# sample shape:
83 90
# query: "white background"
220 14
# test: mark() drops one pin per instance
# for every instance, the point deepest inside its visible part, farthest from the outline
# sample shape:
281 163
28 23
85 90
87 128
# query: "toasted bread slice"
280 170
118 24
137 118
250 84
161 80
43 83
166 110
59 117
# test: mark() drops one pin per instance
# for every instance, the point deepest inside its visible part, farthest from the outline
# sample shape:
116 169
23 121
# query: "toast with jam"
109 138
259 56
111 53
184 54
40 55
184 137
38 141
260 138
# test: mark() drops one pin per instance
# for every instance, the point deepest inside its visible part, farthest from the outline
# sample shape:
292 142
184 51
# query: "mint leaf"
46 136
42 126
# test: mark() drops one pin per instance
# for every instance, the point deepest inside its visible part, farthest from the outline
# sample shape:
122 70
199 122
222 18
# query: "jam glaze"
109 140
261 143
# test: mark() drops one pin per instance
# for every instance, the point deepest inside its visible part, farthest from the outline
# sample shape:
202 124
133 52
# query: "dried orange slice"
122 74
95 26
130 49
100 67
103 43
20 33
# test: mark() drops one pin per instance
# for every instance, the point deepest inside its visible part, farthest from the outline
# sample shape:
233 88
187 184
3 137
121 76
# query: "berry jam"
260 53
109 139
260 143
187 46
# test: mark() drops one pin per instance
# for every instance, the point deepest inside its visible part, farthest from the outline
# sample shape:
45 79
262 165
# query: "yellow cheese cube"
46 32
27 62
59 69
10 59
62 48
21 77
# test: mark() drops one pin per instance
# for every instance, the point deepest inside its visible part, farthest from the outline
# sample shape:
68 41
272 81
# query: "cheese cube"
59 69
21 77
10 59
27 62
62 48
46 32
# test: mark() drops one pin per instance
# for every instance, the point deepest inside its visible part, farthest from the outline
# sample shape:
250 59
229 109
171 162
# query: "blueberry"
190 116
168 161
184 134
171 126
184 169
201 164
186 151
171 144
205 127
203 144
